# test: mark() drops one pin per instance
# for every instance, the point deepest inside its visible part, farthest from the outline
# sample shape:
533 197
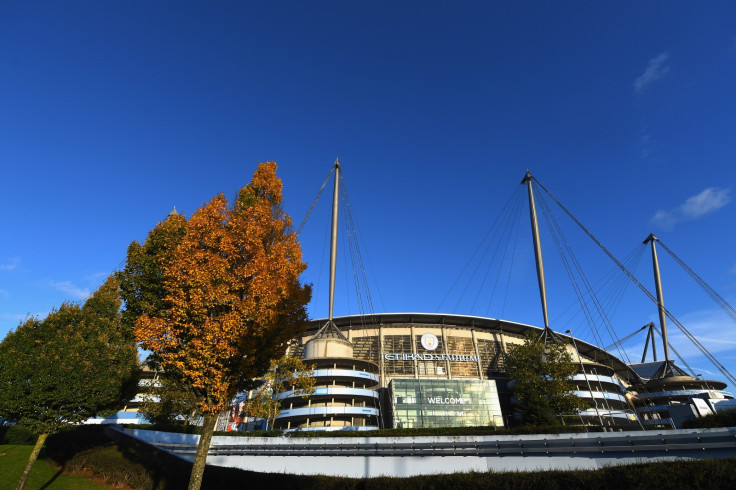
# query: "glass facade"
445 403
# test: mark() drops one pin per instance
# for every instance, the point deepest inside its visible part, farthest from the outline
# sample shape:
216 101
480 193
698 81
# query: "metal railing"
626 444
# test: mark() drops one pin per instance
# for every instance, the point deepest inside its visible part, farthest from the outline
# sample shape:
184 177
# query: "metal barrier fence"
405 456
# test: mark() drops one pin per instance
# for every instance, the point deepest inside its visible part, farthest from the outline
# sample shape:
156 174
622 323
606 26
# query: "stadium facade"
436 370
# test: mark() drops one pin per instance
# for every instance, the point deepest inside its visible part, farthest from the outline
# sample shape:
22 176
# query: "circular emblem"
429 341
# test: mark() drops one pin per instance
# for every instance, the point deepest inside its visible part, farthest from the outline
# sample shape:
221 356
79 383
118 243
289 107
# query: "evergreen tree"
77 363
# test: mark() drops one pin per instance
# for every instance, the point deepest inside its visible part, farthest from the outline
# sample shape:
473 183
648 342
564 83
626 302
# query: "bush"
17 435
63 445
111 465
726 418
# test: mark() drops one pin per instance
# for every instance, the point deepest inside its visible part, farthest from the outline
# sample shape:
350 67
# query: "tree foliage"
215 298
79 362
285 374
142 280
75 364
167 400
541 374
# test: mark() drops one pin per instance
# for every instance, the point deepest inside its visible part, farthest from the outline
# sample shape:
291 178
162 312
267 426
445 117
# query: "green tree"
541 374
214 298
142 280
168 400
285 374
77 363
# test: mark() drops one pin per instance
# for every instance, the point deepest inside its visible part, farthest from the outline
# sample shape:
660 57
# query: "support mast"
329 341
538 254
651 239
333 238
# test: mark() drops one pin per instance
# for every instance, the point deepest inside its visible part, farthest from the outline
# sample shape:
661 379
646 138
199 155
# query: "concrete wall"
409 456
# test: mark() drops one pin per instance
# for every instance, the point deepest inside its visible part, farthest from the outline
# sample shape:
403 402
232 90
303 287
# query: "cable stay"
351 236
507 231
317 289
574 270
611 289
512 246
731 379
725 306
627 338
358 239
360 278
502 226
309 211
651 330
682 359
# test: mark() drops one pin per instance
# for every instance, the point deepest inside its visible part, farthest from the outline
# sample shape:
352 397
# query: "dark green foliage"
125 460
726 418
77 363
16 434
141 281
665 475
167 401
540 373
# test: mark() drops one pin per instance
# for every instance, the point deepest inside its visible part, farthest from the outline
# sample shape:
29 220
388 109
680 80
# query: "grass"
44 474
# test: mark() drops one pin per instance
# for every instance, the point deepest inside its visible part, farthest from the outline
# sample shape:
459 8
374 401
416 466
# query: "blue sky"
115 112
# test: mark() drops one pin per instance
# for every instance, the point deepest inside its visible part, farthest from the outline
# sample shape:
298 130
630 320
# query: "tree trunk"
31 459
208 427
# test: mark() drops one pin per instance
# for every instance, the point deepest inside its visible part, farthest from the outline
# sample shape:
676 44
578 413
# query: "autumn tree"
216 297
77 363
287 374
540 374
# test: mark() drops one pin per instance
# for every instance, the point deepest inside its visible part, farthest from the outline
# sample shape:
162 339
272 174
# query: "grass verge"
44 475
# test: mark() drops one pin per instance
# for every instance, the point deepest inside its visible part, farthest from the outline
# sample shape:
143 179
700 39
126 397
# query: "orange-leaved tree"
230 296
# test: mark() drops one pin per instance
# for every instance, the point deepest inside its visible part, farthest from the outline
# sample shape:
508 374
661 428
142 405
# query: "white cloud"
711 326
713 329
708 201
10 264
711 199
68 288
657 68
97 276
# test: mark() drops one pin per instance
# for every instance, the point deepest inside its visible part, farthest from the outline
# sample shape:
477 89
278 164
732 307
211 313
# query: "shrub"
726 418
16 434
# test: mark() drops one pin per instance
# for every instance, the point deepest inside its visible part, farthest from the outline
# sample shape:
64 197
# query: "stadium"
410 370
434 370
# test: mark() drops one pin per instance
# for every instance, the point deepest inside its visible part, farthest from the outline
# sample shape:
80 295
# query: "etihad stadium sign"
430 357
